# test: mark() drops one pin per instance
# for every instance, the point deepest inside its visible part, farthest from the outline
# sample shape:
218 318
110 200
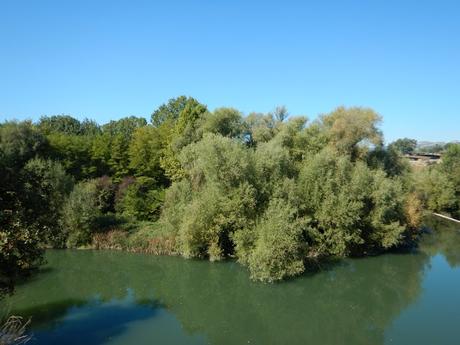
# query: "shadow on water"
89 323
101 294
93 321
35 275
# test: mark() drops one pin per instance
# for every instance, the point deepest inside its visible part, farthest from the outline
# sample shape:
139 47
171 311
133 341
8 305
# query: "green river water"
109 297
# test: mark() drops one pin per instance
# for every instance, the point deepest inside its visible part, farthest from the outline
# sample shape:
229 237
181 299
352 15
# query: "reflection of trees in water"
443 237
352 302
78 278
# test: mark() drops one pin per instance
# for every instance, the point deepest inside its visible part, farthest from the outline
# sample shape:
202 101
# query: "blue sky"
109 59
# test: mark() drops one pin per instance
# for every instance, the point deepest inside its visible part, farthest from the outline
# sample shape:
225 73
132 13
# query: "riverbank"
144 237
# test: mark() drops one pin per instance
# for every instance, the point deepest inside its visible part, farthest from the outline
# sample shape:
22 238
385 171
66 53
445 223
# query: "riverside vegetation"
275 192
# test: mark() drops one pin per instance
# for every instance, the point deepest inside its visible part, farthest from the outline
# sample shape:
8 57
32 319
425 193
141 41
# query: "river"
109 297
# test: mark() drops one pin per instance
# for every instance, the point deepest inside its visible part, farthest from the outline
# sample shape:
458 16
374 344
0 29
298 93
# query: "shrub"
279 249
80 214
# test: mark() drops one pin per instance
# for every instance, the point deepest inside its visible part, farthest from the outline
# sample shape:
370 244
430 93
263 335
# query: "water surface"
106 297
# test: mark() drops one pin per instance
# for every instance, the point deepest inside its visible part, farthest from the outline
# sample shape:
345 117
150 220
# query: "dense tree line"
271 190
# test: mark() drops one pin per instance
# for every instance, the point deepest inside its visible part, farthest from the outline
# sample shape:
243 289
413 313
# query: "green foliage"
439 185
260 128
292 193
334 192
184 132
64 124
100 152
110 151
145 151
124 126
105 194
215 201
272 164
89 210
170 111
436 189
119 156
177 198
227 122
74 153
141 200
347 128
354 208
20 250
89 128
278 250
19 142
404 146
387 218
80 214
388 160
31 194
451 164
68 125
45 189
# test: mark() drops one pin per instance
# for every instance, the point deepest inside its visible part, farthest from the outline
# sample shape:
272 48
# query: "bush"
279 250
80 214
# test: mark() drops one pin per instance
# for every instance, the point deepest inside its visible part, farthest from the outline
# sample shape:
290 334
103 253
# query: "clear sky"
109 59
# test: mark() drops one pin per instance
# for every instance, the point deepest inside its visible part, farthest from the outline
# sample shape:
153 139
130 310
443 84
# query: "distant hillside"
422 144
